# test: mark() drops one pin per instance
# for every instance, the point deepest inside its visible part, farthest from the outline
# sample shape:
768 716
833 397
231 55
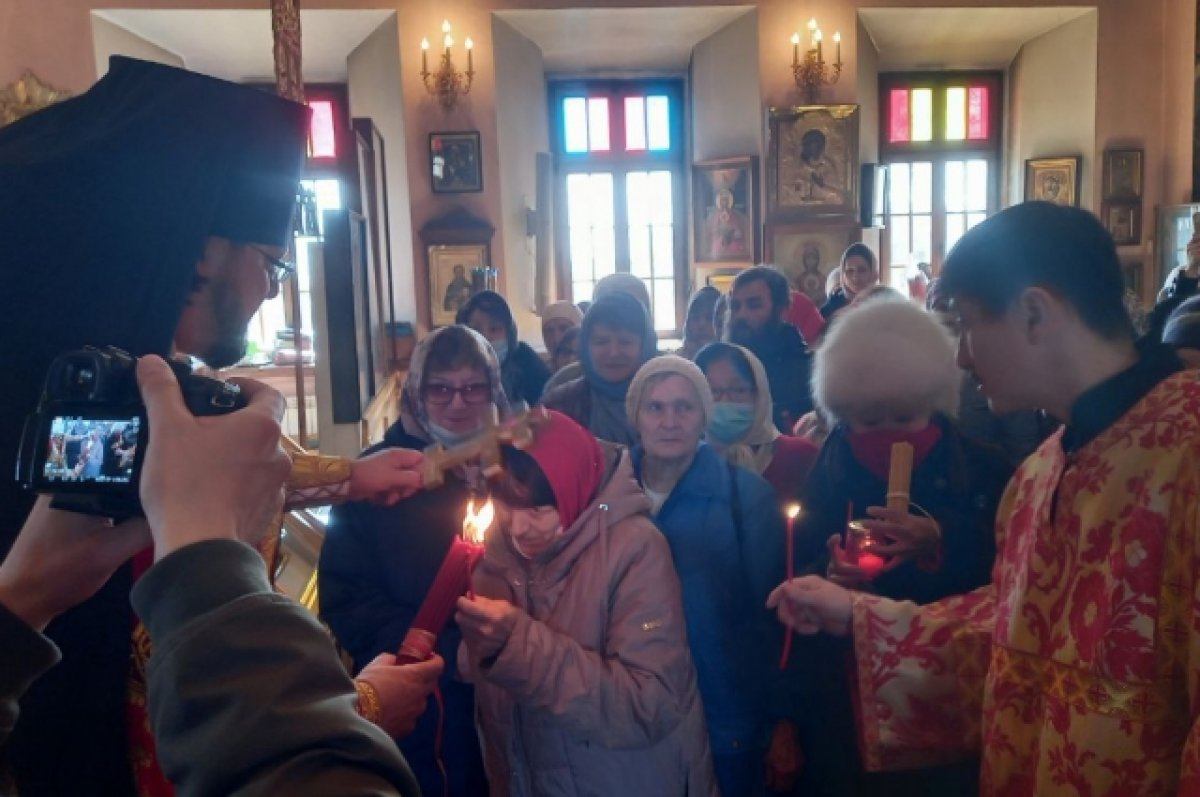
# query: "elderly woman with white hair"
725 530
886 373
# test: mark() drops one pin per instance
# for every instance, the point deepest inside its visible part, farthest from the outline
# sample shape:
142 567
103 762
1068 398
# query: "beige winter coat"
594 694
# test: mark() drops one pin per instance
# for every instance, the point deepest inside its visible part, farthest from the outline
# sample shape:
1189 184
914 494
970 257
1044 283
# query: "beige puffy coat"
594 694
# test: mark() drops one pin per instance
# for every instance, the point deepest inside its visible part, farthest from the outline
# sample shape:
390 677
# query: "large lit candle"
812 29
448 42
470 45
452 580
837 39
817 38
795 49
424 55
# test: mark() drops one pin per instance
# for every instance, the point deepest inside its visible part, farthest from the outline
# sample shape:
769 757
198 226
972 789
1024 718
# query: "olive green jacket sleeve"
24 656
246 693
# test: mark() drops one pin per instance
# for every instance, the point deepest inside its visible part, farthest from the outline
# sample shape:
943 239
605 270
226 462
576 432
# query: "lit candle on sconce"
837 39
445 26
448 42
424 55
812 28
795 49
470 45
817 38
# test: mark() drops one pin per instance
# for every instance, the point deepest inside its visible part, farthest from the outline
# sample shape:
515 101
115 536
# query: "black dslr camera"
85 443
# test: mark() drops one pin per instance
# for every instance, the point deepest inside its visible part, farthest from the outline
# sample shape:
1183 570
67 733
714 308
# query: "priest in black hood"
149 213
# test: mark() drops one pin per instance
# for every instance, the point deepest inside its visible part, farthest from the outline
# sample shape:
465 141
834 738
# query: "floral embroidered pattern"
1089 635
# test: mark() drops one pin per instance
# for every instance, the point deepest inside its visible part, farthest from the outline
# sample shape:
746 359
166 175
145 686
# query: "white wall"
867 78
1052 103
522 130
111 39
727 110
375 92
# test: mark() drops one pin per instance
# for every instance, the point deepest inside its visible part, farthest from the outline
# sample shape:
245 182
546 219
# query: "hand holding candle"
452 580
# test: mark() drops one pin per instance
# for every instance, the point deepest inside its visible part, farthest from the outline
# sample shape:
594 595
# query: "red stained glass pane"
977 113
898 129
321 141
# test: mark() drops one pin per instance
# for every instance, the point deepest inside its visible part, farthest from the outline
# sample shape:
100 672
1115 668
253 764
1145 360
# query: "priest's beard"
229 343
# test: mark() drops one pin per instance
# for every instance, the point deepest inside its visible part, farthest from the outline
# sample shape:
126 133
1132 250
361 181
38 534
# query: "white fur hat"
885 353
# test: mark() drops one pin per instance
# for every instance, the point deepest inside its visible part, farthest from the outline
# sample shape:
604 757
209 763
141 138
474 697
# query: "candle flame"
424 44
837 38
793 510
445 26
812 24
468 43
476 525
795 38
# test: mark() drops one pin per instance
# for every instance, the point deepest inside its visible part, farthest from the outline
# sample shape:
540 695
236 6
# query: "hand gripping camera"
86 441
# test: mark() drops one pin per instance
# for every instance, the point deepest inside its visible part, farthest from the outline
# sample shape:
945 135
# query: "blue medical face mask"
448 438
501 349
730 422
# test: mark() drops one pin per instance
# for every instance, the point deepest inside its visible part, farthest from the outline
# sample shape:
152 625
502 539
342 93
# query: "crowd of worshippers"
647 615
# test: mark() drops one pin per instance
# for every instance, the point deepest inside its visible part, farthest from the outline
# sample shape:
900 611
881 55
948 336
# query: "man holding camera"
231 645
172 192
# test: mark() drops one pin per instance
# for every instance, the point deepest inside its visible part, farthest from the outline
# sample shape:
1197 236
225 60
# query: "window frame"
938 150
619 163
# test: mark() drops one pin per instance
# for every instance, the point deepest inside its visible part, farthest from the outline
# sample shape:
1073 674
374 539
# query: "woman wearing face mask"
616 338
522 371
741 427
726 533
575 633
378 562
886 373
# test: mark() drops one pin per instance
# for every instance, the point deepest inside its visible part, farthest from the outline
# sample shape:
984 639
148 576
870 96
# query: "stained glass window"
321 141
898 127
977 113
922 114
956 113
635 123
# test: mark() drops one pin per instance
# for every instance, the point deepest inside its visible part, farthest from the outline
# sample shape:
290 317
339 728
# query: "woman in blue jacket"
726 533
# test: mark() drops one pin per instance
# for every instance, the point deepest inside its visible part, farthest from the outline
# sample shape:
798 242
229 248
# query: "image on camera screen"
91 450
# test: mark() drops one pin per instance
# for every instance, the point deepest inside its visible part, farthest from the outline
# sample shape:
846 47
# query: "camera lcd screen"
91 450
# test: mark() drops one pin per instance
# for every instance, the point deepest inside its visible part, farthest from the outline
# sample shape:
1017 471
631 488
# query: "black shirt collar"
1100 406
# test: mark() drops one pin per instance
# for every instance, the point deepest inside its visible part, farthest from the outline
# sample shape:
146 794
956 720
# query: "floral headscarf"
413 412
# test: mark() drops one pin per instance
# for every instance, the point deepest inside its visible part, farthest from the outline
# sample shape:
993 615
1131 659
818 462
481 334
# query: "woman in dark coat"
885 374
378 562
521 369
615 340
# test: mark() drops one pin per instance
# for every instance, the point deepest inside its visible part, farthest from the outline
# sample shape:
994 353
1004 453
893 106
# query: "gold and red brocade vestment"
1078 669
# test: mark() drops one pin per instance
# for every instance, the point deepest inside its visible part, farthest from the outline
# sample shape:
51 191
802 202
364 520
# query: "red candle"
871 564
452 580
792 512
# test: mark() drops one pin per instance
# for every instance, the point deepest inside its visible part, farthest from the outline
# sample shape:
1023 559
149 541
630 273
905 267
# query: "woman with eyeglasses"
378 562
726 534
741 427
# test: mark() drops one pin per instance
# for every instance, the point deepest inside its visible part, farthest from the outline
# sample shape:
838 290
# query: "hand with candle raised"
386 477
403 690
841 570
486 625
907 536
811 605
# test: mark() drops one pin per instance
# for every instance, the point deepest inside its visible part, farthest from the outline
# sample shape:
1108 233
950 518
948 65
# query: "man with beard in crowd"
758 299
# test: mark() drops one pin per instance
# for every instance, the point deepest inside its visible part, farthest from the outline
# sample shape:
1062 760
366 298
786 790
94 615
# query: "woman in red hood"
576 635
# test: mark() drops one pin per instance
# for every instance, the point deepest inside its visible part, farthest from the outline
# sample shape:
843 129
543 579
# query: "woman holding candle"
741 427
576 635
885 374
726 533
378 562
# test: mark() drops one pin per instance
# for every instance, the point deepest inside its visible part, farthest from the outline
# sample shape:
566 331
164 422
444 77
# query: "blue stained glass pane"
575 124
658 117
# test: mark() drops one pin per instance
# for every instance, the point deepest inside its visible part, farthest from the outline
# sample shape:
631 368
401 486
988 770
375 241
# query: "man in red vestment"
1077 671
